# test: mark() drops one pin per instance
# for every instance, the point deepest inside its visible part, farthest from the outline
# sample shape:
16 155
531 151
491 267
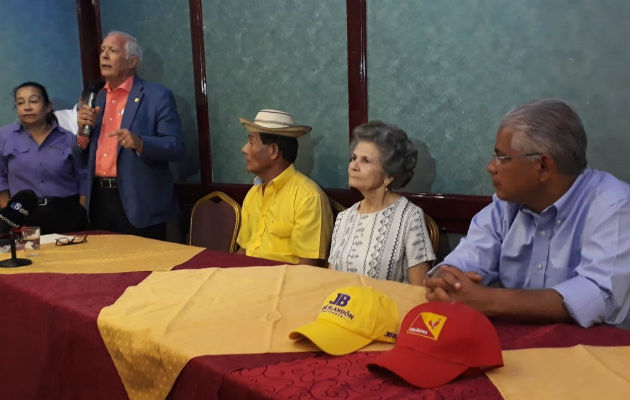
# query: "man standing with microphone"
129 136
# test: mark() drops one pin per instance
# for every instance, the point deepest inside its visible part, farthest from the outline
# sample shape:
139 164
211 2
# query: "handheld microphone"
94 87
91 99
87 128
17 212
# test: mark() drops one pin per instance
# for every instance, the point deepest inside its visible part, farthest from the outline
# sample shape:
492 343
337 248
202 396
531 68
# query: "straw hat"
275 122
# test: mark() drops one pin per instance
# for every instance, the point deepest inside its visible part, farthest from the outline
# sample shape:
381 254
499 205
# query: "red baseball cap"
440 341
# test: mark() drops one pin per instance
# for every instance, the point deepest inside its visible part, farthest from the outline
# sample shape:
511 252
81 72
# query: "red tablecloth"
347 377
50 348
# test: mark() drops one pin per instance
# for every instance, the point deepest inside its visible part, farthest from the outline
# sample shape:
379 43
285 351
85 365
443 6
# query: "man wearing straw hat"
287 217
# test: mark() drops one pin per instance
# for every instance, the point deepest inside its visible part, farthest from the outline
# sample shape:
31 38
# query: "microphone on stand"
93 87
12 218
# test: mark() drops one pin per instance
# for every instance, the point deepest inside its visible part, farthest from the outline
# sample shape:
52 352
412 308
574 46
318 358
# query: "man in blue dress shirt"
554 244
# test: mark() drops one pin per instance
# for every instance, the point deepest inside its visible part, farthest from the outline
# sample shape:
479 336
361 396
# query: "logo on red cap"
427 324
439 342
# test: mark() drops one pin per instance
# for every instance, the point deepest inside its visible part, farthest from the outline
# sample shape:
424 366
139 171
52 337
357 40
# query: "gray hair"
398 154
552 127
132 47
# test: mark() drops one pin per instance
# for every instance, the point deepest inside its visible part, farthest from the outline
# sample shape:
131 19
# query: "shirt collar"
19 128
20 131
55 127
283 178
567 200
126 85
564 204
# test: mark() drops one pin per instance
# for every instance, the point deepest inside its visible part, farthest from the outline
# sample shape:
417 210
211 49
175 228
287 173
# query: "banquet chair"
214 222
434 231
336 207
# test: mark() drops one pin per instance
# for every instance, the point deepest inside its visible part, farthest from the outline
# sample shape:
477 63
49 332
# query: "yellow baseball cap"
351 318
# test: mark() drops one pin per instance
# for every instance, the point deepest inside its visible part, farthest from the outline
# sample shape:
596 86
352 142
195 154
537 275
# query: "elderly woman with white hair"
384 235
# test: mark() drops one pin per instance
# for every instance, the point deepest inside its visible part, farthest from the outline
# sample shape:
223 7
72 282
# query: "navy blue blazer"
145 182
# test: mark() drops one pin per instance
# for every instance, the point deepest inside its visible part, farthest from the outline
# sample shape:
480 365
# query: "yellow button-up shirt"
291 220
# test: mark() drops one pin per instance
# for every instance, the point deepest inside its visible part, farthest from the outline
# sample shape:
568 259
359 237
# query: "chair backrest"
214 222
434 231
336 207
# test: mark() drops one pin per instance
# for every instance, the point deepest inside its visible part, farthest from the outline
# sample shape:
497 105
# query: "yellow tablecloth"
154 328
579 372
106 254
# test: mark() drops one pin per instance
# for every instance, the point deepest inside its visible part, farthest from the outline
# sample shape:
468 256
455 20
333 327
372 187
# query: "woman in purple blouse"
37 154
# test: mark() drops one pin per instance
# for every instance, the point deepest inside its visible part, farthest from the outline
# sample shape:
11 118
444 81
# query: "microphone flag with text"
12 218
18 211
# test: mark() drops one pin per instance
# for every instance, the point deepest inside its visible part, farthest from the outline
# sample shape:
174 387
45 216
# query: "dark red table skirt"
50 348
347 377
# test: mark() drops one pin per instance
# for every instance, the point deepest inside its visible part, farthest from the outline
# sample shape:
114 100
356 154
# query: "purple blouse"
50 169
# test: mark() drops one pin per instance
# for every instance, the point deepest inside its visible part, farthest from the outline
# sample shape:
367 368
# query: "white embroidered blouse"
383 244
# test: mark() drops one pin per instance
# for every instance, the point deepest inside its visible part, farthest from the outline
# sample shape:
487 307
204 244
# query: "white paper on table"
43 239
52 238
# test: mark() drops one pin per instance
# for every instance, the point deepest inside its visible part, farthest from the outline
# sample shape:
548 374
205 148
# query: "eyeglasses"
67 241
499 158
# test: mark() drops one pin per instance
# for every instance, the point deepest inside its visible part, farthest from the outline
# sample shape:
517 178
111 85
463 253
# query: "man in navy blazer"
128 140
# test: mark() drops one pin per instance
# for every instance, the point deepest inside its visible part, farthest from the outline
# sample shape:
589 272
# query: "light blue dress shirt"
578 246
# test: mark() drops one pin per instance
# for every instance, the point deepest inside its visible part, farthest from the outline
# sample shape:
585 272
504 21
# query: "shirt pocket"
65 157
280 229
15 151
56 156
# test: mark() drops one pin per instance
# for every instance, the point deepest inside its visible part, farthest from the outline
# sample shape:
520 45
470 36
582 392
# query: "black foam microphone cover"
20 207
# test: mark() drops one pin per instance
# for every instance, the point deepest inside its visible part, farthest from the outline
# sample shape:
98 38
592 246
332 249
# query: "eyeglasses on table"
70 240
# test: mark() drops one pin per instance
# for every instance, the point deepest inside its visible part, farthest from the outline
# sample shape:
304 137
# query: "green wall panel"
39 42
446 72
281 54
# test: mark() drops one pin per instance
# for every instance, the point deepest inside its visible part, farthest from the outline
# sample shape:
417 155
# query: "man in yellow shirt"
287 217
